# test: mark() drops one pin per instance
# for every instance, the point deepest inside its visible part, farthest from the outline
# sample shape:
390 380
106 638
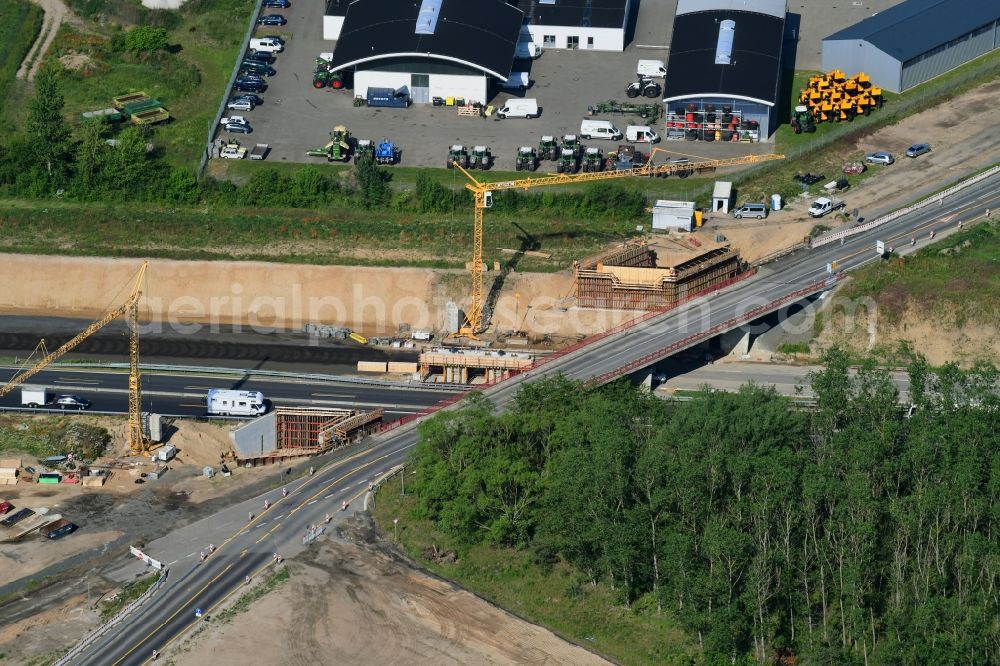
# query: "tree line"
854 533
95 162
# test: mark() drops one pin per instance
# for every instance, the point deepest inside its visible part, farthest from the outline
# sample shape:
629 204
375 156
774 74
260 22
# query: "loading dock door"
420 88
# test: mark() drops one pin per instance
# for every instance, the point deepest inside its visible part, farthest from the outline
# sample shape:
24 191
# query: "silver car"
879 157
917 149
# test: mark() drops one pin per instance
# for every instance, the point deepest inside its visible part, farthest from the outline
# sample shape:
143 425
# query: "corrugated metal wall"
948 56
853 56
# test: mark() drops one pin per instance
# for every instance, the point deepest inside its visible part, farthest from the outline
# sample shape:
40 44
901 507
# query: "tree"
145 39
373 182
92 158
128 167
48 131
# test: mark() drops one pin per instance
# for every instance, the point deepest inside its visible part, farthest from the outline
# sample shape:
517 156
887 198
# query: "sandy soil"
356 604
47 632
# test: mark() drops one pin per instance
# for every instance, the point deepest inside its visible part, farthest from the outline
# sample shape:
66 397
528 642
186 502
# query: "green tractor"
568 161
802 120
362 148
457 154
526 159
593 160
339 147
572 142
324 75
548 149
481 158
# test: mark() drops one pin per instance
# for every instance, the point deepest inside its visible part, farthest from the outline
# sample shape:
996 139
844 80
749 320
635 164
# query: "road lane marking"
172 563
332 395
200 405
76 381
197 388
330 495
169 619
313 502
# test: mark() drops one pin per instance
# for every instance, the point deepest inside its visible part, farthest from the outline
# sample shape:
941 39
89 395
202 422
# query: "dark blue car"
250 84
272 19
277 4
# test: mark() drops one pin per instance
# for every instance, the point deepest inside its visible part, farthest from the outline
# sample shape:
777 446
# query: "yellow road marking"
190 599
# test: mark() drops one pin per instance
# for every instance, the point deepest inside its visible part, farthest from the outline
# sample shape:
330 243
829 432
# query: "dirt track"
357 604
55 13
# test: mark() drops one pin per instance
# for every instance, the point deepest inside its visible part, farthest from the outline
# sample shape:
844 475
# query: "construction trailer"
294 432
471 366
634 277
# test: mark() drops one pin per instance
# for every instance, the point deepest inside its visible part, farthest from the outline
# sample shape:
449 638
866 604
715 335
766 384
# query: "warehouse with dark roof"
915 41
599 25
724 69
433 48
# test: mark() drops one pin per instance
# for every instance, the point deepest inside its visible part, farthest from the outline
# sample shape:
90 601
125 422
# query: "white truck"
227 402
35 396
824 205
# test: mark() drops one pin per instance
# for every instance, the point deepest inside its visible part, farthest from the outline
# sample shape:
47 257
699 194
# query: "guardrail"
828 238
727 325
101 630
207 153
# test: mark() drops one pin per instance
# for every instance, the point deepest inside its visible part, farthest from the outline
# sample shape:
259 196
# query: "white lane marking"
191 555
172 563
330 495
313 502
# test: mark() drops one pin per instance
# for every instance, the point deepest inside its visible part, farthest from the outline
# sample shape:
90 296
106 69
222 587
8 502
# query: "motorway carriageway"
184 394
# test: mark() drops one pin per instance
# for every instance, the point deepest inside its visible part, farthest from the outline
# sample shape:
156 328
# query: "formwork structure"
464 366
291 432
631 277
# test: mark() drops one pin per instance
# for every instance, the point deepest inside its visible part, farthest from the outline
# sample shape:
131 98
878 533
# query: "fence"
101 630
934 198
206 154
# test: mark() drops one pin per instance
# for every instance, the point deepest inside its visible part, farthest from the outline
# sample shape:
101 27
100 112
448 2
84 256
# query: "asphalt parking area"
296 117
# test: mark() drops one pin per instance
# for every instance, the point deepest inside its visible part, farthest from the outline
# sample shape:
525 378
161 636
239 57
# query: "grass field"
558 598
957 278
20 22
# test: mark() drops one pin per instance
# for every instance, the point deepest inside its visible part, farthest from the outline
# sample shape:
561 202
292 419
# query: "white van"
599 129
517 81
519 108
226 402
653 68
267 44
641 134
527 51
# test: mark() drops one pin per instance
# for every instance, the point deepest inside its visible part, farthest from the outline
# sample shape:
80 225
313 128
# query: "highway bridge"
246 545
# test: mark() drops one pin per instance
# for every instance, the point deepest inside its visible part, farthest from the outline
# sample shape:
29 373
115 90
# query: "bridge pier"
736 341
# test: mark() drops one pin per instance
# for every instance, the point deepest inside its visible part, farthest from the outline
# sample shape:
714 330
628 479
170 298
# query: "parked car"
276 4
272 19
260 56
880 157
918 149
250 84
256 100
237 104
5 508
62 530
71 402
257 68
238 126
16 517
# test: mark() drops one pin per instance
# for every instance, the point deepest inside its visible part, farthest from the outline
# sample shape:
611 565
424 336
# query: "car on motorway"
272 19
880 157
918 149
71 402
5 508
276 4
250 84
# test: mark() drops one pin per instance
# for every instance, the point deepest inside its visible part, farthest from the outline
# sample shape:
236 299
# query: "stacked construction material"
832 97
707 123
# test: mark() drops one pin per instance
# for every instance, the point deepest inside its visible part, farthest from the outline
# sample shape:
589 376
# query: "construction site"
288 433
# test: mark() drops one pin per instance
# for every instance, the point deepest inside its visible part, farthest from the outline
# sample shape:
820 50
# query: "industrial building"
915 41
641 275
598 25
724 69
433 48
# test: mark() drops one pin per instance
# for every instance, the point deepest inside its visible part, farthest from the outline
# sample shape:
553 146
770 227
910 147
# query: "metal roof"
776 8
917 26
754 69
481 35
573 13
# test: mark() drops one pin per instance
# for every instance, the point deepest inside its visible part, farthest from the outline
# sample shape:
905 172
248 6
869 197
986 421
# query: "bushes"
145 40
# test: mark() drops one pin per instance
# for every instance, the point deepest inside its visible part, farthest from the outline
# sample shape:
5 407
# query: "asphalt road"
184 394
245 546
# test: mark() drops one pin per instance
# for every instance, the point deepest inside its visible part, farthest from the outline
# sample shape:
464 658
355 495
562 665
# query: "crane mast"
130 308
483 198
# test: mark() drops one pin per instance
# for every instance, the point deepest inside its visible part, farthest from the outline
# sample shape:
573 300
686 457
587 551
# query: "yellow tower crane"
483 199
130 308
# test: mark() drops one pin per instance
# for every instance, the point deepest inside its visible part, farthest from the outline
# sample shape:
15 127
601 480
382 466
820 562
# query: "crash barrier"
374 486
827 238
244 45
409 418
727 325
103 629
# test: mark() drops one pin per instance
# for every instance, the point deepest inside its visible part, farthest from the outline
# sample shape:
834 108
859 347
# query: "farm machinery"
457 154
548 148
339 147
593 160
526 159
649 112
481 158
645 87
387 152
325 75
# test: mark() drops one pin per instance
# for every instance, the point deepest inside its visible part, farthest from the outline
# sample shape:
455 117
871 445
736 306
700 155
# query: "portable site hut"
673 215
722 196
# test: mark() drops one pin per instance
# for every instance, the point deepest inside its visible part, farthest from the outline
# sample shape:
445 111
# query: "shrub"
145 39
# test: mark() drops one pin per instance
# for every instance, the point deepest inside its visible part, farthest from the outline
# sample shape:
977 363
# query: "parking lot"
296 117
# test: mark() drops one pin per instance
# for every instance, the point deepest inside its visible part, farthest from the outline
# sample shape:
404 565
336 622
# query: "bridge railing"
722 327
